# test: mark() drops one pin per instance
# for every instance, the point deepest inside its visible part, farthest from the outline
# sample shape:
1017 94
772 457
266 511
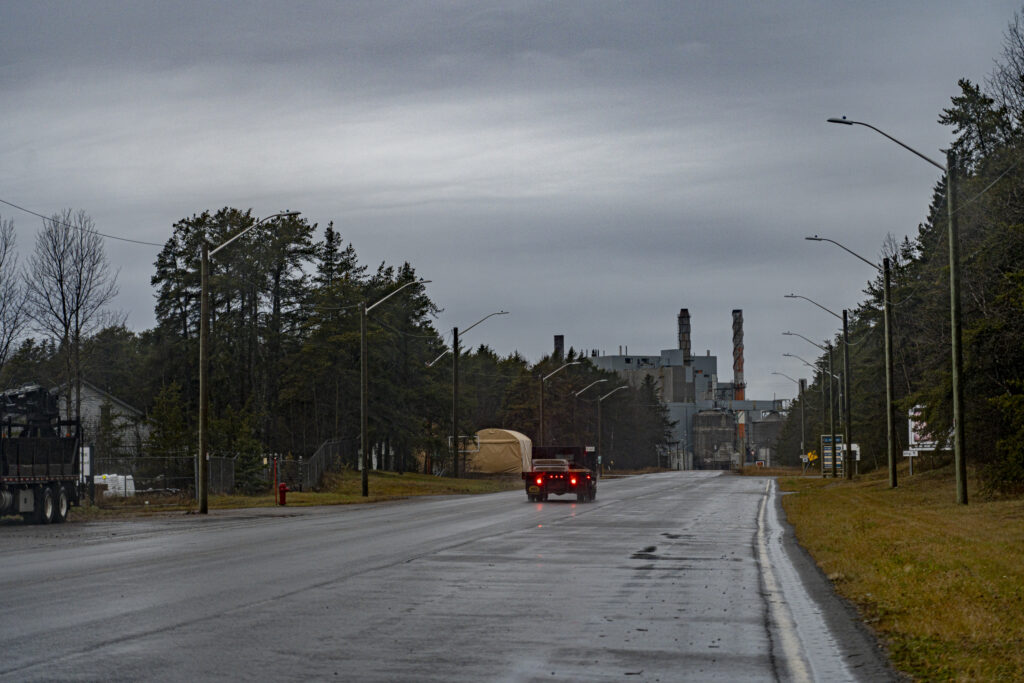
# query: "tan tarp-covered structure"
502 451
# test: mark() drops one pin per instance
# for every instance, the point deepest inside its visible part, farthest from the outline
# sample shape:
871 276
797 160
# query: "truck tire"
62 504
581 496
44 505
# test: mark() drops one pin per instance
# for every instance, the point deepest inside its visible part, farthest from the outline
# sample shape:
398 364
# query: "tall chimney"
737 354
684 334
559 345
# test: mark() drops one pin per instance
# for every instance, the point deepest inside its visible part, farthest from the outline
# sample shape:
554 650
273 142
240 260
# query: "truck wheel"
581 496
44 505
63 505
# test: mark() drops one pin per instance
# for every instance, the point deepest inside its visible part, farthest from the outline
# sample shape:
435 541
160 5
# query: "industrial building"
717 426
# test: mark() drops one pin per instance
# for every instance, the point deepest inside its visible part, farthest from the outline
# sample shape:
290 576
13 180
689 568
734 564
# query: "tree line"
284 349
987 122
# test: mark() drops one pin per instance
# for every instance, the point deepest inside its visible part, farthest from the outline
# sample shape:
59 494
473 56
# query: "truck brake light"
540 481
573 481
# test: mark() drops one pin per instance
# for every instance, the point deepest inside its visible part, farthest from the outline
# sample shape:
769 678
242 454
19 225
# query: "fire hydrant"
282 493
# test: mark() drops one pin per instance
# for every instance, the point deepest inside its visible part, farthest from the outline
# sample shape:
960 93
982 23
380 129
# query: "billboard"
921 438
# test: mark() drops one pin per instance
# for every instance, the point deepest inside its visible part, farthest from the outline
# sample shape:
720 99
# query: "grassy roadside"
340 489
941 583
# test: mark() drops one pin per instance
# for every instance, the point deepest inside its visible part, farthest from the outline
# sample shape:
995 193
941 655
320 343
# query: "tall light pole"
455 389
831 408
204 361
844 387
890 426
800 394
364 386
600 453
956 333
816 369
577 394
590 385
543 379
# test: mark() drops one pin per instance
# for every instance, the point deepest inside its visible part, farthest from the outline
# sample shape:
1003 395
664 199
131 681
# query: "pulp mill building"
717 426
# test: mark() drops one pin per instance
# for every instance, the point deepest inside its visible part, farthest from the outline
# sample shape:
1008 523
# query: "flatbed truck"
40 458
561 470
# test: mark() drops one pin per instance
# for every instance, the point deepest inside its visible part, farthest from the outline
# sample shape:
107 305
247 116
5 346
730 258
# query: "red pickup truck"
560 470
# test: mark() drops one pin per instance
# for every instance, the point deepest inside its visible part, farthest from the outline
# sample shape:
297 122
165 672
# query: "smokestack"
737 354
684 334
559 345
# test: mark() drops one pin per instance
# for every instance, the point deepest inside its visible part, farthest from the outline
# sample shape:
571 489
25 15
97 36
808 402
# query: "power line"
78 227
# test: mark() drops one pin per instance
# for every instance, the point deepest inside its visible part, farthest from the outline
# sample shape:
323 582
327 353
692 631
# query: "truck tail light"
540 481
573 481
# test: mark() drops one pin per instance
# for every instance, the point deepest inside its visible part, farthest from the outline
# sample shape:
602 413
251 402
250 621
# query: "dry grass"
340 489
752 471
942 584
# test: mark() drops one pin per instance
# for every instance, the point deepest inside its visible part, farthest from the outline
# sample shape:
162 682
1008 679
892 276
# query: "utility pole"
364 392
204 380
955 319
802 385
831 408
540 430
889 417
848 462
455 402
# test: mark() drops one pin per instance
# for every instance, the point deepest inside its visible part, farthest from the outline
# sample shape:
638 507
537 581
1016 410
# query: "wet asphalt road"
677 576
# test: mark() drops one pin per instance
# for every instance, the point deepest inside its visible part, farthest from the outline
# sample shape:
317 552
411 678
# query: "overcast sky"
591 167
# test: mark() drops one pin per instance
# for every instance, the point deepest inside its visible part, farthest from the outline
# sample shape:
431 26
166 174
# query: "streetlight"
799 392
577 395
831 398
887 317
204 333
600 453
590 385
455 388
844 404
821 386
540 432
956 333
364 388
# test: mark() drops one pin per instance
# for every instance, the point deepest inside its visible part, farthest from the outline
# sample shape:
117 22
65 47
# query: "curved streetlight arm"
847 122
793 355
813 367
447 351
796 334
481 320
257 223
782 374
624 386
575 362
848 251
407 284
797 296
590 385
443 354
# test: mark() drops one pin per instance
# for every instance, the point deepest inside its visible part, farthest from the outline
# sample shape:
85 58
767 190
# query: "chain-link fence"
171 476
306 474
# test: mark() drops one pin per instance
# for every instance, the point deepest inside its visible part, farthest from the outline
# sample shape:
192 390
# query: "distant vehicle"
40 459
560 470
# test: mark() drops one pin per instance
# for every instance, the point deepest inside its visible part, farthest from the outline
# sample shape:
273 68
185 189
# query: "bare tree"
69 283
1006 82
12 293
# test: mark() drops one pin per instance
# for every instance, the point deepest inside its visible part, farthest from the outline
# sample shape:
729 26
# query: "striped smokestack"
737 354
684 334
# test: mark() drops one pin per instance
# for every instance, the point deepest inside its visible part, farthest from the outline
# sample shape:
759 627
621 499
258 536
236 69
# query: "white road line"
810 650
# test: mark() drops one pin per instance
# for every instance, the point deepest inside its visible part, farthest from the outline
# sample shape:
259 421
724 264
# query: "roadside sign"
910 454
